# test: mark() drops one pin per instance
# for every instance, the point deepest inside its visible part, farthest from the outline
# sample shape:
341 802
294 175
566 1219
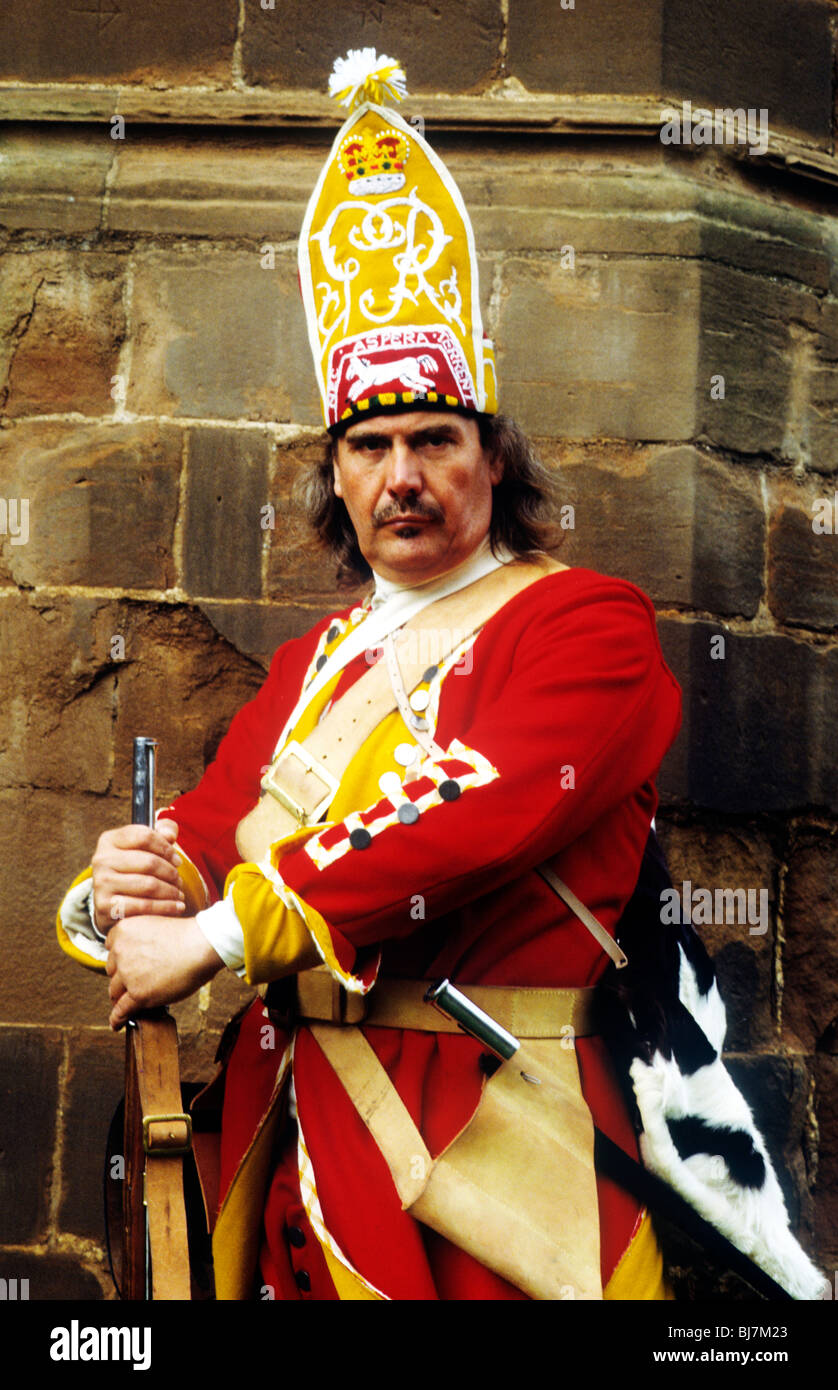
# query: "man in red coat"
456 778
549 745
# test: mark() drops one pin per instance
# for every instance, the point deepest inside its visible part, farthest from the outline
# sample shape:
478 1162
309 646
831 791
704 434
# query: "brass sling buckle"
163 1147
276 790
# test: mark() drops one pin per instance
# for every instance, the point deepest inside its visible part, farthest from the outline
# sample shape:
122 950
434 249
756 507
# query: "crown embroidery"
374 162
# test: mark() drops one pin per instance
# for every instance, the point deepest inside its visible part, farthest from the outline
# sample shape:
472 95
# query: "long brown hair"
523 502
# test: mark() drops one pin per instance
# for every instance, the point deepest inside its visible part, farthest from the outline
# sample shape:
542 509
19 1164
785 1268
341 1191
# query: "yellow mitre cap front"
388 268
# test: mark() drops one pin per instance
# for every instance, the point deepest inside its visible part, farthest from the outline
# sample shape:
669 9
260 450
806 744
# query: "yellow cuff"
70 949
279 942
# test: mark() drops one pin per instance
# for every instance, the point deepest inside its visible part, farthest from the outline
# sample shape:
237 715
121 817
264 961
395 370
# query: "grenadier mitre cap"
388 267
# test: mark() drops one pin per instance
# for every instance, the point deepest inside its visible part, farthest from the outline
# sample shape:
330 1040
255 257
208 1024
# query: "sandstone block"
453 47
684 527
708 54
757 723
101 502
802 560
46 839
767 238
533 196
59 1278
227 501
53 178
57 677
30 1064
561 47
763 375
256 630
61 325
197 1056
221 337
819 424
240 185
297 566
228 994
810 949
183 688
615 349
145 42
95 1085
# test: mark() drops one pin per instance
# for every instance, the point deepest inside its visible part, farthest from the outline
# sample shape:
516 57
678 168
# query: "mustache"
392 513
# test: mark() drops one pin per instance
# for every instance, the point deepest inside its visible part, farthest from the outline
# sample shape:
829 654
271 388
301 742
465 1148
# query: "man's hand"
135 873
152 962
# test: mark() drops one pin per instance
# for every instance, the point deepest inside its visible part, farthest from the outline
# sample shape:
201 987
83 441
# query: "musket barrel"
142 781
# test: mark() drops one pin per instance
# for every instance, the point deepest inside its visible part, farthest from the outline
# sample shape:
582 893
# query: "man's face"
418 490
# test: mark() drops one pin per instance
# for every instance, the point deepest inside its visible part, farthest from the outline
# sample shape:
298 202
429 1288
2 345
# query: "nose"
404 473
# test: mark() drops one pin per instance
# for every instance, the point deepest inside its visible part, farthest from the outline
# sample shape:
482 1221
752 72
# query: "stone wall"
666 320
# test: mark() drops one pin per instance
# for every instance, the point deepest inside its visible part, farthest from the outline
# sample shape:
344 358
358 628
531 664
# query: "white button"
405 753
419 700
390 784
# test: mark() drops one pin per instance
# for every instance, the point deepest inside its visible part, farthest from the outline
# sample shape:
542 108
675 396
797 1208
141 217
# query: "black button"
429 674
360 839
331 634
303 1279
449 790
321 661
296 1237
407 813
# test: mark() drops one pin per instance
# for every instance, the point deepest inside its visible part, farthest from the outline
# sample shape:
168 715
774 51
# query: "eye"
367 444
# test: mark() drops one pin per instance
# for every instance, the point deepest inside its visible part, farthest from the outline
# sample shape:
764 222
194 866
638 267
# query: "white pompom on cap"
363 75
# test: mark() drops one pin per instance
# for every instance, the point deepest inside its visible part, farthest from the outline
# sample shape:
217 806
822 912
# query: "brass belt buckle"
162 1149
278 792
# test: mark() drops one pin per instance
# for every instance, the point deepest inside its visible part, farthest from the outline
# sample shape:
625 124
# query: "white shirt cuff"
76 914
223 931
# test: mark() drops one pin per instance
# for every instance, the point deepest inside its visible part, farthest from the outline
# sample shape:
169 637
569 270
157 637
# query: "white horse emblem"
406 370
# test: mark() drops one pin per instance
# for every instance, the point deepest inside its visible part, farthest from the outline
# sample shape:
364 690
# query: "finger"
110 906
118 909
138 837
134 886
116 988
140 863
122 1011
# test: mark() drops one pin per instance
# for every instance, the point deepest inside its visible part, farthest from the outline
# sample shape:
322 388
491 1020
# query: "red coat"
568 675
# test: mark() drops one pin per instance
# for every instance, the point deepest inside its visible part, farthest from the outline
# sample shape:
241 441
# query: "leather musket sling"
153 1086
